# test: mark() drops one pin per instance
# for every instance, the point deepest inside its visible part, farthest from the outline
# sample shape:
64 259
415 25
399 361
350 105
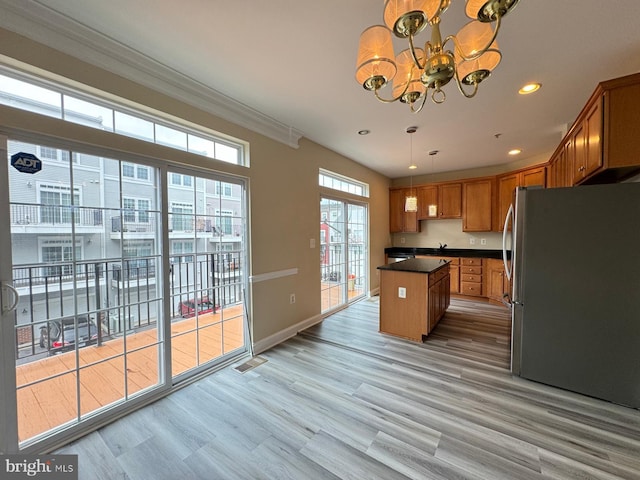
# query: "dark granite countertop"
408 252
415 265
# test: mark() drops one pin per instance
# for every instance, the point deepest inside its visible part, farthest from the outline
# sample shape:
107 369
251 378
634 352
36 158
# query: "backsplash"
435 232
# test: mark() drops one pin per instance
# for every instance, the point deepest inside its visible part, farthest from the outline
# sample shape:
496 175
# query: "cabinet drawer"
469 288
435 277
471 261
470 270
472 278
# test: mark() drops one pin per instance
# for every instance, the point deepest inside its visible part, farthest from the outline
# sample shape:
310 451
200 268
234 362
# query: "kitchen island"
414 294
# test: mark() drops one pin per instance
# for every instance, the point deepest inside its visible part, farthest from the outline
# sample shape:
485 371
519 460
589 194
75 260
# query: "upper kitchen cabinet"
507 184
399 220
602 145
478 198
560 174
442 200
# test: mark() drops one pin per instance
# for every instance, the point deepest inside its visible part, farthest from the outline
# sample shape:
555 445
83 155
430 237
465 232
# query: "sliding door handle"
16 297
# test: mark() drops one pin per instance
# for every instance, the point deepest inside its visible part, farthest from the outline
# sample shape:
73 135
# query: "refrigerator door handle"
505 233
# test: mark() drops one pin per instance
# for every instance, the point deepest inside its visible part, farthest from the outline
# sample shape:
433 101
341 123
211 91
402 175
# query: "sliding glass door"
207 252
124 278
86 273
343 252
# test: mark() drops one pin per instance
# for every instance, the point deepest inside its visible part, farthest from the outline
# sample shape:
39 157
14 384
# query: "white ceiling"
293 62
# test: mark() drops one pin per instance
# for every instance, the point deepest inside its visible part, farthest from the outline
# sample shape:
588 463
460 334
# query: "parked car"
60 335
202 305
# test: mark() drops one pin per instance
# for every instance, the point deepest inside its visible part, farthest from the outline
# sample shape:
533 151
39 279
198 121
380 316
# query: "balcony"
132 229
41 219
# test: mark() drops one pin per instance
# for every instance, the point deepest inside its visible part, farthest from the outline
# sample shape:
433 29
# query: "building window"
181 217
224 221
137 258
181 180
58 251
56 201
139 172
49 153
224 189
178 250
135 210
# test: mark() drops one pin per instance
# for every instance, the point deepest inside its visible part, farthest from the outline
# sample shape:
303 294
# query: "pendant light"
411 200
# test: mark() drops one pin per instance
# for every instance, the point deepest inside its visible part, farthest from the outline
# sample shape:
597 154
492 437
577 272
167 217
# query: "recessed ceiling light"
529 88
412 167
515 151
364 132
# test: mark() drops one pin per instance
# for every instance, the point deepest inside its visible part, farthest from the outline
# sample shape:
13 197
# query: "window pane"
201 146
133 126
227 153
128 170
171 137
142 173
26 96
86 113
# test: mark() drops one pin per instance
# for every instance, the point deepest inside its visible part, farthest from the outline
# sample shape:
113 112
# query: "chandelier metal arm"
412 49
406 87
424 100
461 88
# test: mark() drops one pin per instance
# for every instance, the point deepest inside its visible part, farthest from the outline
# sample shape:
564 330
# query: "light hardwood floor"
341 401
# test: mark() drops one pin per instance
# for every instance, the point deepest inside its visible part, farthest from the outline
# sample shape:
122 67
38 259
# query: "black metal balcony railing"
55 215
118 292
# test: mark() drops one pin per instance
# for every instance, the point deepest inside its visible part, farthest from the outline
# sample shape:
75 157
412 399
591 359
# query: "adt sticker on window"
26 162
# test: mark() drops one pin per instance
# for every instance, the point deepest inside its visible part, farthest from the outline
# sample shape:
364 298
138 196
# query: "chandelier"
418 73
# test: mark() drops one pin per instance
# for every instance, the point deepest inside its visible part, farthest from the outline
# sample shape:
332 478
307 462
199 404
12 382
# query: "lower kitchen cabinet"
497 282
471 277
439 290
454 271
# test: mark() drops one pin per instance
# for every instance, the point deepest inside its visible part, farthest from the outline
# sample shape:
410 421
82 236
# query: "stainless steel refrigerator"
575 266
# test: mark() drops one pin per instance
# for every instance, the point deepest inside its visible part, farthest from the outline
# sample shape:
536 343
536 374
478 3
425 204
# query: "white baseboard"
279 337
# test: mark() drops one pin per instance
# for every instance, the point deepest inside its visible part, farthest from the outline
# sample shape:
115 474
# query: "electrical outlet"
292 298
472 241
402 292
483 241
312 243
401 239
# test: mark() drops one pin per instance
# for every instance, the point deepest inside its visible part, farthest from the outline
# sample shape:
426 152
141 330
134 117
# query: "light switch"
402 292
312 243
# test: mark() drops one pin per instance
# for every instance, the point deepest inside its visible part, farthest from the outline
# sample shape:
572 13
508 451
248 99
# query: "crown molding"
43 25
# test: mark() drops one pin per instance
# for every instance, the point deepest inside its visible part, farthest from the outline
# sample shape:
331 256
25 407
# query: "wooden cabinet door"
399 220
506 188
396 211
593 137
454 278
579 153
450 200
477 203
533 177
427 202
495 280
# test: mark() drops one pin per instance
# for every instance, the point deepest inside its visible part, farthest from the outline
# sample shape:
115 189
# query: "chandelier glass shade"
418 73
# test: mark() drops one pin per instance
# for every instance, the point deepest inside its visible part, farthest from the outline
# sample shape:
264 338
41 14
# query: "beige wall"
283 185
